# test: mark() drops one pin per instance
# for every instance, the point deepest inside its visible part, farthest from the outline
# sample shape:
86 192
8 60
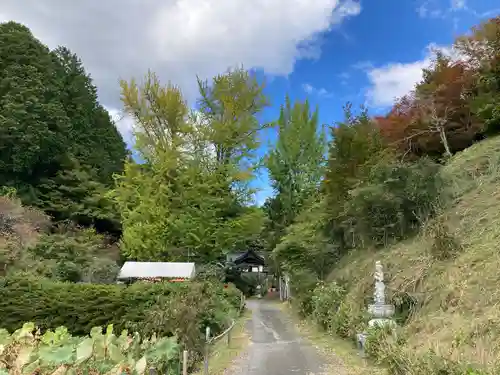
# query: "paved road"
276 348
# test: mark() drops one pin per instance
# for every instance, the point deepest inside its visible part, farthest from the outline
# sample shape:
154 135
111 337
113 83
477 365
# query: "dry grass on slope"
457 290
19 227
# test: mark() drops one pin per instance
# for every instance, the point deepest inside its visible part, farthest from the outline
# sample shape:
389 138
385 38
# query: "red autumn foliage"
439 107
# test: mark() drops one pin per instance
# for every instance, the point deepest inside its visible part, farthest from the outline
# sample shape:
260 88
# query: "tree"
295 164
183 202
355 147
481 52
50 122
230 105
33 123
96 140
304 245
76 194
436 118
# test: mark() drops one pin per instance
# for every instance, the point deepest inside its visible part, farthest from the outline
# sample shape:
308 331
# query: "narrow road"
276 348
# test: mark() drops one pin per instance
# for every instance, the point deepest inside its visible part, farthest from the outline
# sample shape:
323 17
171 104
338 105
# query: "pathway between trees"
276 348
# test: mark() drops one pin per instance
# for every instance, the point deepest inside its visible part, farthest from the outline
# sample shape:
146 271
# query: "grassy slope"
459 313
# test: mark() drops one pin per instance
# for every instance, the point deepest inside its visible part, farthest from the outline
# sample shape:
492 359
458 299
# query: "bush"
233 295
393 203
79 307
302 286
326 300
189 313
387 349
444 244
71 254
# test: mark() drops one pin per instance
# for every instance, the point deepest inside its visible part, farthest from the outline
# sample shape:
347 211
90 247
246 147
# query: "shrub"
393 202
302 286
348 320
444 244
101 271
233 295
80 307
326 300
188 314
72 254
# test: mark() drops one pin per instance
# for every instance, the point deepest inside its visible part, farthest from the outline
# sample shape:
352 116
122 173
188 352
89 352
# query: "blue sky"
329 51
387 36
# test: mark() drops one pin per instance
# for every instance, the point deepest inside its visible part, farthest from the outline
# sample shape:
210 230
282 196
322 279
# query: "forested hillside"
416 189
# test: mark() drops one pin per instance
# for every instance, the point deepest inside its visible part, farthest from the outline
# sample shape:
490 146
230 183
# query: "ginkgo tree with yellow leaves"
190 198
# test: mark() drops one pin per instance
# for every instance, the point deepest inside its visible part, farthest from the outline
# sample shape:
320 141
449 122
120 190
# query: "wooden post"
185 362
206 359
229 337
207 338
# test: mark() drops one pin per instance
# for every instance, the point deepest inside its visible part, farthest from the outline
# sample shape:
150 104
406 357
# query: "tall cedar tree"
34 127
97 141
50 124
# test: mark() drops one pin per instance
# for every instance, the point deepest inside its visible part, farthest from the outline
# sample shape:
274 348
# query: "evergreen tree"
53 131
34 127
97 142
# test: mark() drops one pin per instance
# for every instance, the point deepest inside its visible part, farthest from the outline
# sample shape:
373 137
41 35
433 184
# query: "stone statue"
379 294
379 310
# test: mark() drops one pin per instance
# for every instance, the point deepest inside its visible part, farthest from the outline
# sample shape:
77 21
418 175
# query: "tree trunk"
444 140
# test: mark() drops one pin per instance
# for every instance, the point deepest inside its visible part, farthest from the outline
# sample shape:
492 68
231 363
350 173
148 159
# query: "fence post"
185 362
229 337
207 338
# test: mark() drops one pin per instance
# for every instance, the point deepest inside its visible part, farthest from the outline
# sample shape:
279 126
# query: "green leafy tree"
296 164
355 146
305 246
229 105
481 50
183 202
392 202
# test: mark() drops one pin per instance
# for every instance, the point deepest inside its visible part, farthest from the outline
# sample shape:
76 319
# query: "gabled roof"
250 257
138 270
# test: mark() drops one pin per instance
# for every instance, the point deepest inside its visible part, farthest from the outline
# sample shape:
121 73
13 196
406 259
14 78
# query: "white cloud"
394 80
437 9
124 123
458 4
180 39
311 90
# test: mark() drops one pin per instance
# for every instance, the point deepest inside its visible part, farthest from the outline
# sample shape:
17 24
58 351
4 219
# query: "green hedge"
79 307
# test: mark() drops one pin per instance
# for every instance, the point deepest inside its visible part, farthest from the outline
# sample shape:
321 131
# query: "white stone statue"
379 294
380 311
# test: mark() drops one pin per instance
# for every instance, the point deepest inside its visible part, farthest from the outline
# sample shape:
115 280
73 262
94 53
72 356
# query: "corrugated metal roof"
157 269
